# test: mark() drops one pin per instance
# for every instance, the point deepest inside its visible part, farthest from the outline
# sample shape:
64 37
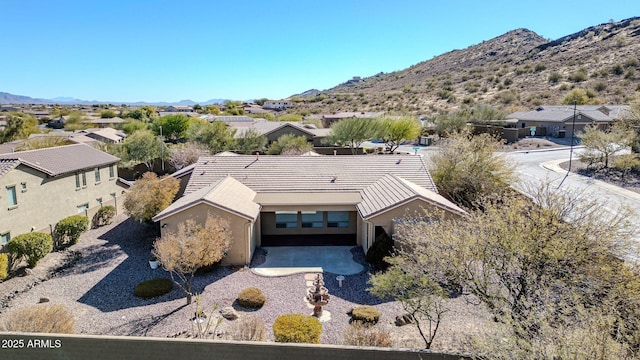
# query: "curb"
554 165
551 149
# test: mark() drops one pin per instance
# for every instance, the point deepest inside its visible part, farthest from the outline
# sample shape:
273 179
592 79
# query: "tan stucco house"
304 200
40 187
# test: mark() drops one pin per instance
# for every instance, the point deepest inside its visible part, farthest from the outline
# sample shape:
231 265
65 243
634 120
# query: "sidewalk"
554 166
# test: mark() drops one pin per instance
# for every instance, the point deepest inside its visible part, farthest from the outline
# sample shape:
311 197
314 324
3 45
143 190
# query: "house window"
97 174
84 179
83 208
286 219
77 181
338 219
4 238
312 219
112 172
11 196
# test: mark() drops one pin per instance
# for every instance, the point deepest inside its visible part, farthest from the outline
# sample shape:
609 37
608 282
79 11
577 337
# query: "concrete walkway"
288 260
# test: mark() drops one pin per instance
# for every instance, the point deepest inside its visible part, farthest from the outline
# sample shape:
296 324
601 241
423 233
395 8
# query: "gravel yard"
96 277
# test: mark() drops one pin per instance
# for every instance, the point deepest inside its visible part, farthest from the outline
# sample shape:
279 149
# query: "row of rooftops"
561 113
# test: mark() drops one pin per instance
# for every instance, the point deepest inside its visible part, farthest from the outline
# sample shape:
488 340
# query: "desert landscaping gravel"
95 279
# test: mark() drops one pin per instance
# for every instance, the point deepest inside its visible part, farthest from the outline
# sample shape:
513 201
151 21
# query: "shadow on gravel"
129 245
140 327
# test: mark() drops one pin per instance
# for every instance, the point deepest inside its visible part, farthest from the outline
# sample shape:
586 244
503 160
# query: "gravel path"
95 280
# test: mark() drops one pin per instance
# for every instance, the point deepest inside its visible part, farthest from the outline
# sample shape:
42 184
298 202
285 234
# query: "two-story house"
40 187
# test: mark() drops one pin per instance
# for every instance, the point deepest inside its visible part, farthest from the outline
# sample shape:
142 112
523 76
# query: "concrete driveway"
288 260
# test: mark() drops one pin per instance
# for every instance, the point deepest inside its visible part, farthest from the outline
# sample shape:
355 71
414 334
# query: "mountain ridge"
8 98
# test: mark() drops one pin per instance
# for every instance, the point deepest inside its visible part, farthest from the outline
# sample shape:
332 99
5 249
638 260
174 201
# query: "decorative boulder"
403 320
229 313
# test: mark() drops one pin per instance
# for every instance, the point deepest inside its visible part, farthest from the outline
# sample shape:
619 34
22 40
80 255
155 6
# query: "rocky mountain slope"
519 69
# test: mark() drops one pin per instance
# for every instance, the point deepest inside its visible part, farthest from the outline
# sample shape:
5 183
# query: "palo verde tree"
173 126
19 126
144 147
396 130
467 168
216 136
353 132
150 195
192 247
250 141
535 264
289 144
601 146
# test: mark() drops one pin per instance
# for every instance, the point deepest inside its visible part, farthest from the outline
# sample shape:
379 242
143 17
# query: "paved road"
535 167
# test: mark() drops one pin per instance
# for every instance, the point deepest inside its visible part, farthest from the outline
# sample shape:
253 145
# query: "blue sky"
168 50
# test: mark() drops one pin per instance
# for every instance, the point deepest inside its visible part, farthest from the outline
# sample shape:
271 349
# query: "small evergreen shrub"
297 328
360 335
69 229
42 319
4 266
31 246
366 314
381 248
104 216
154 287
251 298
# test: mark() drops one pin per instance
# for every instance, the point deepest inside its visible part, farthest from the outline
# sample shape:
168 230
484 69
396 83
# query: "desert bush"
42 318
554 77
247 328
361 335
617 69
381 248
104 216
578 76
540 67
30 246
69 229
4 266
600 86
251 298
154 287
297 328
365 314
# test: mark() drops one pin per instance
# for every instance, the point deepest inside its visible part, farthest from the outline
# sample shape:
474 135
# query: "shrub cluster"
247 328
40 318
366 314
104 216
30 246
154 287
4 266
381 248
297 328
361 335
69 229
251 298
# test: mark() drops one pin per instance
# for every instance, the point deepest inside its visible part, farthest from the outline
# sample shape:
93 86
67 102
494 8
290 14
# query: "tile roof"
62 159
8 164
227 194
391 191
561 113
277 173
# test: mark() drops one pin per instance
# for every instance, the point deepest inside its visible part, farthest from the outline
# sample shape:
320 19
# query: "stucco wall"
47 200
239 254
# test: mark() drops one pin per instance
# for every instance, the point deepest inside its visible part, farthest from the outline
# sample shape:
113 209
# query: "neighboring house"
105 135
57 123
177 108
272 130
558 120
106 122
277 104
236 121
76 137
187 113
38 188
304 200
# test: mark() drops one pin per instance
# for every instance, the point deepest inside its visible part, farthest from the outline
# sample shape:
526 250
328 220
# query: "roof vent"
257 155
399 161
333 179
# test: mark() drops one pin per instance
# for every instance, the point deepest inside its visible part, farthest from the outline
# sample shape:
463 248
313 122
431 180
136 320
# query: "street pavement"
539 166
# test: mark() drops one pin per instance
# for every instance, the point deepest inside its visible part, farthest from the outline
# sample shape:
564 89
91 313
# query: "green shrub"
40 318
365 314
4 266
69 229
297 328
554 77
30 246
360 335
251 298
381 248
104 216
154 287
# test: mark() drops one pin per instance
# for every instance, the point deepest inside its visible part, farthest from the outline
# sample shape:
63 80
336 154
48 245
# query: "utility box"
425 140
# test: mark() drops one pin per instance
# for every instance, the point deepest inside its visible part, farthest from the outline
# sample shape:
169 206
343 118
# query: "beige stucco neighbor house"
38 188
304 200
